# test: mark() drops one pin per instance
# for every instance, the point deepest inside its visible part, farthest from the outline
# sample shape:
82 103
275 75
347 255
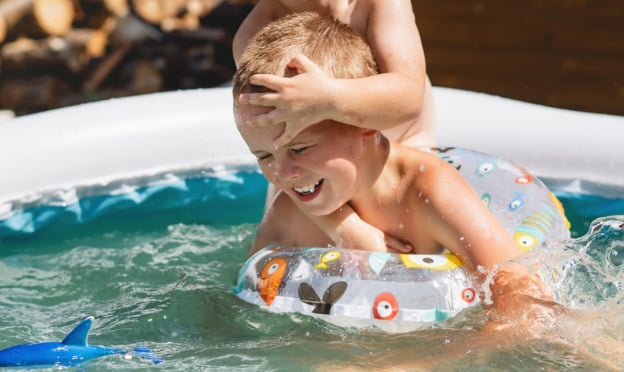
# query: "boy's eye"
299 150
263 157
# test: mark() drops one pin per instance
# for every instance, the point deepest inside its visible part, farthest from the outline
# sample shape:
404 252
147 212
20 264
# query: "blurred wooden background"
563 53
53 53
56 53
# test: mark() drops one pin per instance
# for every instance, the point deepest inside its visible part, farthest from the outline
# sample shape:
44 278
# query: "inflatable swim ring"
369 288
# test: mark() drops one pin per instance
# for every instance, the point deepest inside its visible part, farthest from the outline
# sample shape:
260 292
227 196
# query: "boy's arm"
260 15
459 220
382 101
347 230
464 225
284 224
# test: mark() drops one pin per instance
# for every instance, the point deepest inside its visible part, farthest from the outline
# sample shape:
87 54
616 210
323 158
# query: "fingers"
258 99
271 82
263 120
303 64
269 98
397 245
286 137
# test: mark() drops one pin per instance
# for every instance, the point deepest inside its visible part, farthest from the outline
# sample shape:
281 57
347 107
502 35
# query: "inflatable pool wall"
167 132
121 146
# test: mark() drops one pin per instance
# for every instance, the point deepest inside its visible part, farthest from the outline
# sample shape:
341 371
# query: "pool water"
162 278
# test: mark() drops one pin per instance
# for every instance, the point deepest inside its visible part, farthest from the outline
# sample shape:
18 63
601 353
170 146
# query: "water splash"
588 271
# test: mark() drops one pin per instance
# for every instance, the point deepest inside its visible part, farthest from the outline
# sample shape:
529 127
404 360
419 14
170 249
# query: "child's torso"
350 12
397 205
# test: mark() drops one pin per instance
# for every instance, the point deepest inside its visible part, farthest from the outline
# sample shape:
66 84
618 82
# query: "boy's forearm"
347 230
377 102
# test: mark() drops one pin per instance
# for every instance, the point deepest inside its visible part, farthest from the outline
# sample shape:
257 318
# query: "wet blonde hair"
338 50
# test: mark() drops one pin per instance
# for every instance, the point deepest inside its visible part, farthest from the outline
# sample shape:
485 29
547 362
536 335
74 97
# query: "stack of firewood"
62 52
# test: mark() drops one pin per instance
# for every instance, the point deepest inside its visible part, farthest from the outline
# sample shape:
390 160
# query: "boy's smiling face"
319 169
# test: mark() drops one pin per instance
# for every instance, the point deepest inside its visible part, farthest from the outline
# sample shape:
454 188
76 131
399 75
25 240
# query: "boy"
397 99
405 193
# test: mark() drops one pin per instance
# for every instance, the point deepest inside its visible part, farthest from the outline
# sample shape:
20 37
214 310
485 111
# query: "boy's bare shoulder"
427 169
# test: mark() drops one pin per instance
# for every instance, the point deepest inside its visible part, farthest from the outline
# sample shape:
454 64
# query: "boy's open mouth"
309 190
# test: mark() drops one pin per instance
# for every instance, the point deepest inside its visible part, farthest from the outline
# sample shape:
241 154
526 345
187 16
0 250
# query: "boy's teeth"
307 189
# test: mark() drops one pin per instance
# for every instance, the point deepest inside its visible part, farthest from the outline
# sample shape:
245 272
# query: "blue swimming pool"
155 266
225 199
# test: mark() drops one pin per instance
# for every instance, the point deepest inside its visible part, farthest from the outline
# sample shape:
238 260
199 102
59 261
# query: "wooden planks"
564 53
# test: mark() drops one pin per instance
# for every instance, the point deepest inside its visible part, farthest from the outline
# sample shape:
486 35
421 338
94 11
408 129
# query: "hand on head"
298 98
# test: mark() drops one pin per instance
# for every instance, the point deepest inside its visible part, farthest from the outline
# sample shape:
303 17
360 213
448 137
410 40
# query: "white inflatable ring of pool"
143 137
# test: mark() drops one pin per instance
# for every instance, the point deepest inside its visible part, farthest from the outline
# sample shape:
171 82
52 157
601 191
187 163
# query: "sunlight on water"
171 290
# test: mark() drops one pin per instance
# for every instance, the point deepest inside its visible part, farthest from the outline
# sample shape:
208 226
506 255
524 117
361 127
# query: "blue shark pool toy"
71 351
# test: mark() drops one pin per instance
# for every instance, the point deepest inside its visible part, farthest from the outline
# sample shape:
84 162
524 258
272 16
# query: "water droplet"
615 254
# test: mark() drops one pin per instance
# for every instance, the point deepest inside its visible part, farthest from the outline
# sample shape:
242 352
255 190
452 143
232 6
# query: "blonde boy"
397 99
410 195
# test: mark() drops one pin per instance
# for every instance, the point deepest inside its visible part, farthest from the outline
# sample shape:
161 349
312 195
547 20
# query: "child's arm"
521 303
347 230
285 223
461 223
381 101
260 15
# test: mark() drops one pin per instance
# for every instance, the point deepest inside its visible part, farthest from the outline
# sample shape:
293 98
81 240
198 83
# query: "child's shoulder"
426 168
411 156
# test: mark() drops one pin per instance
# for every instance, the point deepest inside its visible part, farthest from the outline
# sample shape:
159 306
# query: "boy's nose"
287 170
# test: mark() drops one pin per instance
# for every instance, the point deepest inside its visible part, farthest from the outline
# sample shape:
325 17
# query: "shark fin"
78 337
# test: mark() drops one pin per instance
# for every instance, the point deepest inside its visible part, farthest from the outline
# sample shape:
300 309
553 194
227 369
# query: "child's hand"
299 101
357 234
521 303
